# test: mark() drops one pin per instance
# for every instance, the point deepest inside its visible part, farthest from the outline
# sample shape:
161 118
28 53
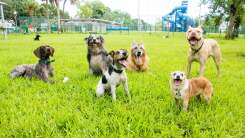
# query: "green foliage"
31 108
96 9
93 9
230 11
30 8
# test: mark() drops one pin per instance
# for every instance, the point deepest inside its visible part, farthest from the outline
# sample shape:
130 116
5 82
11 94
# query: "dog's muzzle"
138 54
177 81
193 40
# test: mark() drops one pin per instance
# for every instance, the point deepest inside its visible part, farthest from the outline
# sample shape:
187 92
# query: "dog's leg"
90 71
202 67
185 104
207 94
198 97
113 92
51 73
100 90
217 61
125 86
177 102
43 75
189 67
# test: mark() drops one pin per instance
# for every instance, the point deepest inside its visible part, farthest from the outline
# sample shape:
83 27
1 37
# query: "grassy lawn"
31 108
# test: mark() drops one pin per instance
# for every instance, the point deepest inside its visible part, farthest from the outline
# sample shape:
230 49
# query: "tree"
93 9
23 8
230 11
86 11
235 11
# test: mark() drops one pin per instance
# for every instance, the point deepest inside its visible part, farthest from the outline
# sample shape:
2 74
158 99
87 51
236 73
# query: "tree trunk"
236 26
64 4
230 31
47 15
58 16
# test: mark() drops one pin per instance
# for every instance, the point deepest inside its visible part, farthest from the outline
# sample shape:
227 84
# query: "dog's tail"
17 72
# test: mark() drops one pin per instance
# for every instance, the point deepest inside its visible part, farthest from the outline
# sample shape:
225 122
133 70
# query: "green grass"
31 108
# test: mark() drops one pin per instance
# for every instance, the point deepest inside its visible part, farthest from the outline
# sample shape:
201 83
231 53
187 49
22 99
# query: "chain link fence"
42 24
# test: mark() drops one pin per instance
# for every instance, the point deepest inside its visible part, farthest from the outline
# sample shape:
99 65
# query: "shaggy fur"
201 49
115 75
183 89
97 55
138 60
42 70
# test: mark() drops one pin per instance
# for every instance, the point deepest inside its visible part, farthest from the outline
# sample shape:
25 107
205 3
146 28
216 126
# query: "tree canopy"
96 9
230 11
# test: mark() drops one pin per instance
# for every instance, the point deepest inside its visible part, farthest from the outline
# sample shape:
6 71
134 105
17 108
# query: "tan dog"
184 89
138 60
201 49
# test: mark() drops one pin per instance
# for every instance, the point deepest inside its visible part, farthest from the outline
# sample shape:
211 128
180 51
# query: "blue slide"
177 20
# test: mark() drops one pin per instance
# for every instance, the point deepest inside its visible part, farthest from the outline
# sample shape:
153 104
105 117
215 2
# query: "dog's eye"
182 75
198 31
174 74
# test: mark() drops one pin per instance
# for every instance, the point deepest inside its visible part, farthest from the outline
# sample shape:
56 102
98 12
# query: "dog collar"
197 50
116 70
45 61
178 92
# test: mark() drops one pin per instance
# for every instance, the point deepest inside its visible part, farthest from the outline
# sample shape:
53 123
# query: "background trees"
230 11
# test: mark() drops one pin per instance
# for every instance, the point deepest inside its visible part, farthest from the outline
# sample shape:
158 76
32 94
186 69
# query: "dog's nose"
138 53
178 77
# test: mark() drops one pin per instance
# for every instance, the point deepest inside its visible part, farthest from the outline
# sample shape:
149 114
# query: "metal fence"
41 24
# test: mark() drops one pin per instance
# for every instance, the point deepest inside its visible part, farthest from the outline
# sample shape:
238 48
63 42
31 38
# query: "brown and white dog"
201 49
115 75
138 60
183 89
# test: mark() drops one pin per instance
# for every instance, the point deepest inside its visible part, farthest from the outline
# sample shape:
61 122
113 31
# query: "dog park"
65 83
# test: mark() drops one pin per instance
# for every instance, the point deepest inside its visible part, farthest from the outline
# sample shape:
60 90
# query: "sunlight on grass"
31 108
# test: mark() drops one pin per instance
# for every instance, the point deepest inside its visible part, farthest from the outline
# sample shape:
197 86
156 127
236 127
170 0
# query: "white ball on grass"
66 79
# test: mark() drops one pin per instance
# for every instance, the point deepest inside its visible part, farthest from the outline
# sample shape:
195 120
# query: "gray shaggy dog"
97 55
42 70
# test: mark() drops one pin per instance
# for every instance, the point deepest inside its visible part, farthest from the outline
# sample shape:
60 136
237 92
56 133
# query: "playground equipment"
177 20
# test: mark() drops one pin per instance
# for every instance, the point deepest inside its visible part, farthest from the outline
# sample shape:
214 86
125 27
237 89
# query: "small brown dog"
42 70
138 60
184 89
201 49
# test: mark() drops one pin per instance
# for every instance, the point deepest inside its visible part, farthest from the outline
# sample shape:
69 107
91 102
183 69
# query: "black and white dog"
97 55
115 75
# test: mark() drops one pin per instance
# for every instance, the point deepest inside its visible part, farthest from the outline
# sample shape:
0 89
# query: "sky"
149 10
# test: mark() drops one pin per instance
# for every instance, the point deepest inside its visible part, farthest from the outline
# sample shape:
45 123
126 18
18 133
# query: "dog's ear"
200 27
38 52
86 39
142 45
52 51
134 44
101 39
112 53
